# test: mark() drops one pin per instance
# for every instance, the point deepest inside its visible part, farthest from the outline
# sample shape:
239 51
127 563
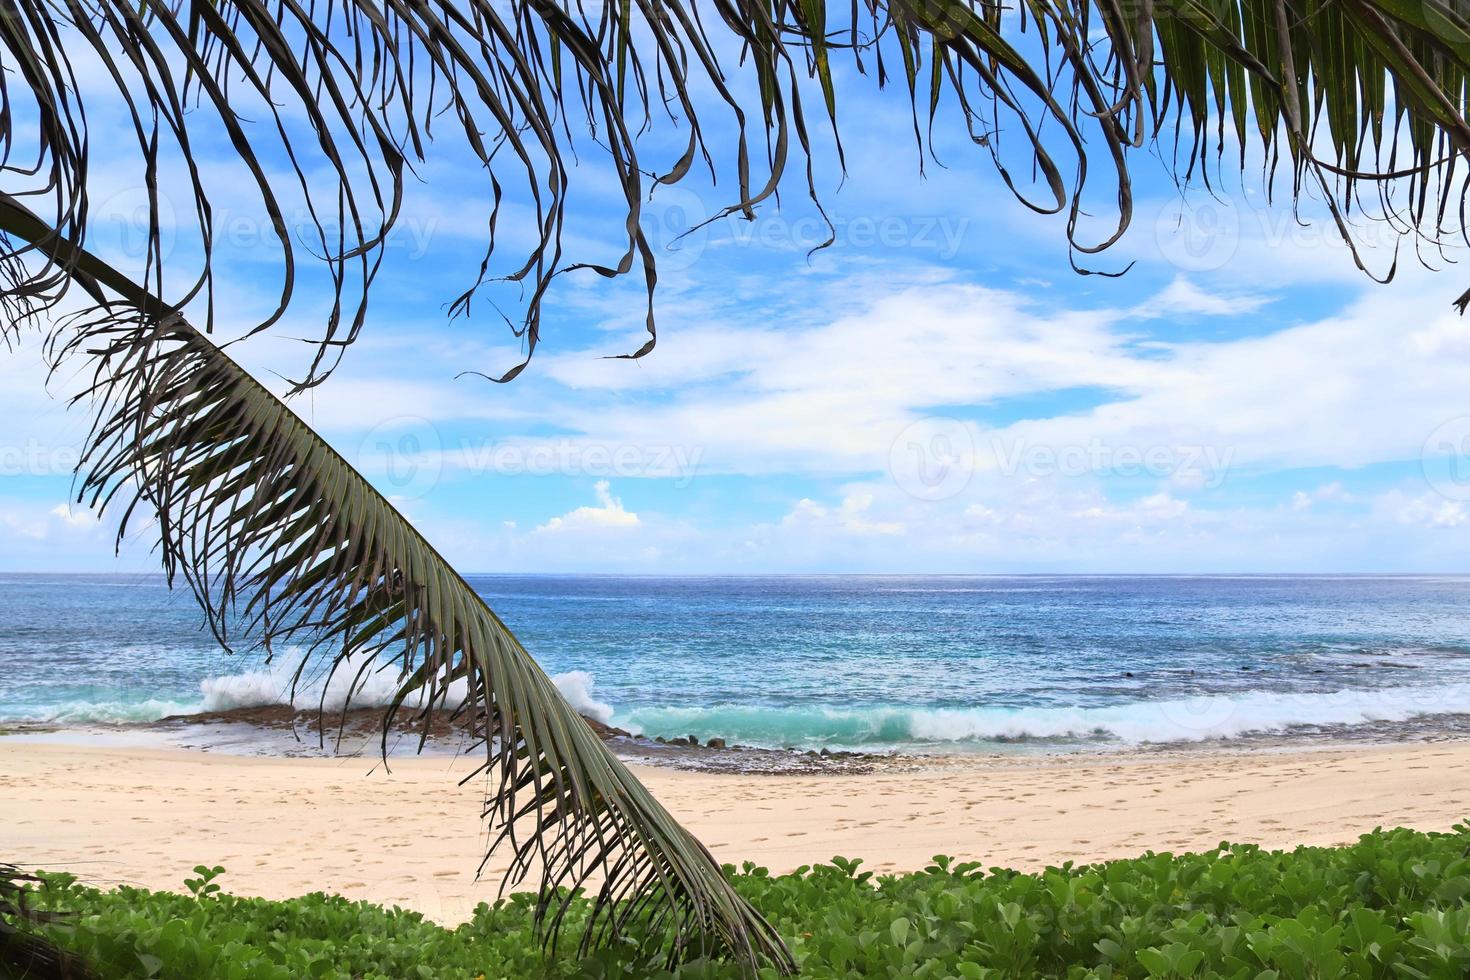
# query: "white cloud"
1425 510
78 520
1183 298
1333 492
848 517
824 397
1162 506
829 399
979 512
609 513
37 523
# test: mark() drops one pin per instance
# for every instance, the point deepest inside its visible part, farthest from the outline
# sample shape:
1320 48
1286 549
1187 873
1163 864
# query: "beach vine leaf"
204 885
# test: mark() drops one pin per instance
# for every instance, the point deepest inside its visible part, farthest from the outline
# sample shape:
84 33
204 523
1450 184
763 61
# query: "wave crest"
1133 723
271 686
1141 722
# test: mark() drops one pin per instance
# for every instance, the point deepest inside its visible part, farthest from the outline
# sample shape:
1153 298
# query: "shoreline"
408 834
278 731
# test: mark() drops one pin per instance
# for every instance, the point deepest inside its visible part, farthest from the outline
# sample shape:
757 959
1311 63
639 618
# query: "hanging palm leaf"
346 98
281 540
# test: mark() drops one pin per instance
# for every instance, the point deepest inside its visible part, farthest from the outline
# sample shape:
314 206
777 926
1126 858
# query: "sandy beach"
286 826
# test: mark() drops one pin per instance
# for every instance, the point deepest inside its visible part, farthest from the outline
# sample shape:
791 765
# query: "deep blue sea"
975 663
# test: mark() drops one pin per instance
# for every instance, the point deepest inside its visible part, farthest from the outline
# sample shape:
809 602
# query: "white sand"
284 827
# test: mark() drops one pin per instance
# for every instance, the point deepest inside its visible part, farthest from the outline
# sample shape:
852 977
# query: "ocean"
873 663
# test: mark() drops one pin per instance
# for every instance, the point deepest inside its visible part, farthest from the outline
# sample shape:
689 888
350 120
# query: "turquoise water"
847 661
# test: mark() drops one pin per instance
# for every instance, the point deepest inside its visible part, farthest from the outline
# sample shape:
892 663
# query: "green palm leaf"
1362 98
282 540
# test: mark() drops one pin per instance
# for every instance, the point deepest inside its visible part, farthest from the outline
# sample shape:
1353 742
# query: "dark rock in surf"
605 731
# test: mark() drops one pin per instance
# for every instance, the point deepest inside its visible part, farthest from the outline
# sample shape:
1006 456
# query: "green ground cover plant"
1391 905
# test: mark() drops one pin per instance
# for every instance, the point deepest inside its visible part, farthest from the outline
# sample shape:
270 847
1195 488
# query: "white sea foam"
1131 723
364 689
273 685
576 687
103 712
361 683
1127 723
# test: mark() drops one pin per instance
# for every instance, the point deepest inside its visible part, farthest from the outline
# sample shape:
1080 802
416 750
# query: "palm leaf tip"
283 542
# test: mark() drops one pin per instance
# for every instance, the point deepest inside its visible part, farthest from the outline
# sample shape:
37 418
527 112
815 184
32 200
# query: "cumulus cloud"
35 523
1425 510
609 513
848 517
1182 297
77 520
1333 492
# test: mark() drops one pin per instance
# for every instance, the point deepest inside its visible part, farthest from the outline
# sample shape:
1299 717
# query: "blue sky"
937 392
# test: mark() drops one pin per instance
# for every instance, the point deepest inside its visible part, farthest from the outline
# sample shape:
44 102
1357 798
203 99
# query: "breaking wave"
1130 723
1138 722
272 686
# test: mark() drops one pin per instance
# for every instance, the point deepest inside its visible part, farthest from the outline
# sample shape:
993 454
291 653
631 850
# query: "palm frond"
25 952
282 541
350 96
